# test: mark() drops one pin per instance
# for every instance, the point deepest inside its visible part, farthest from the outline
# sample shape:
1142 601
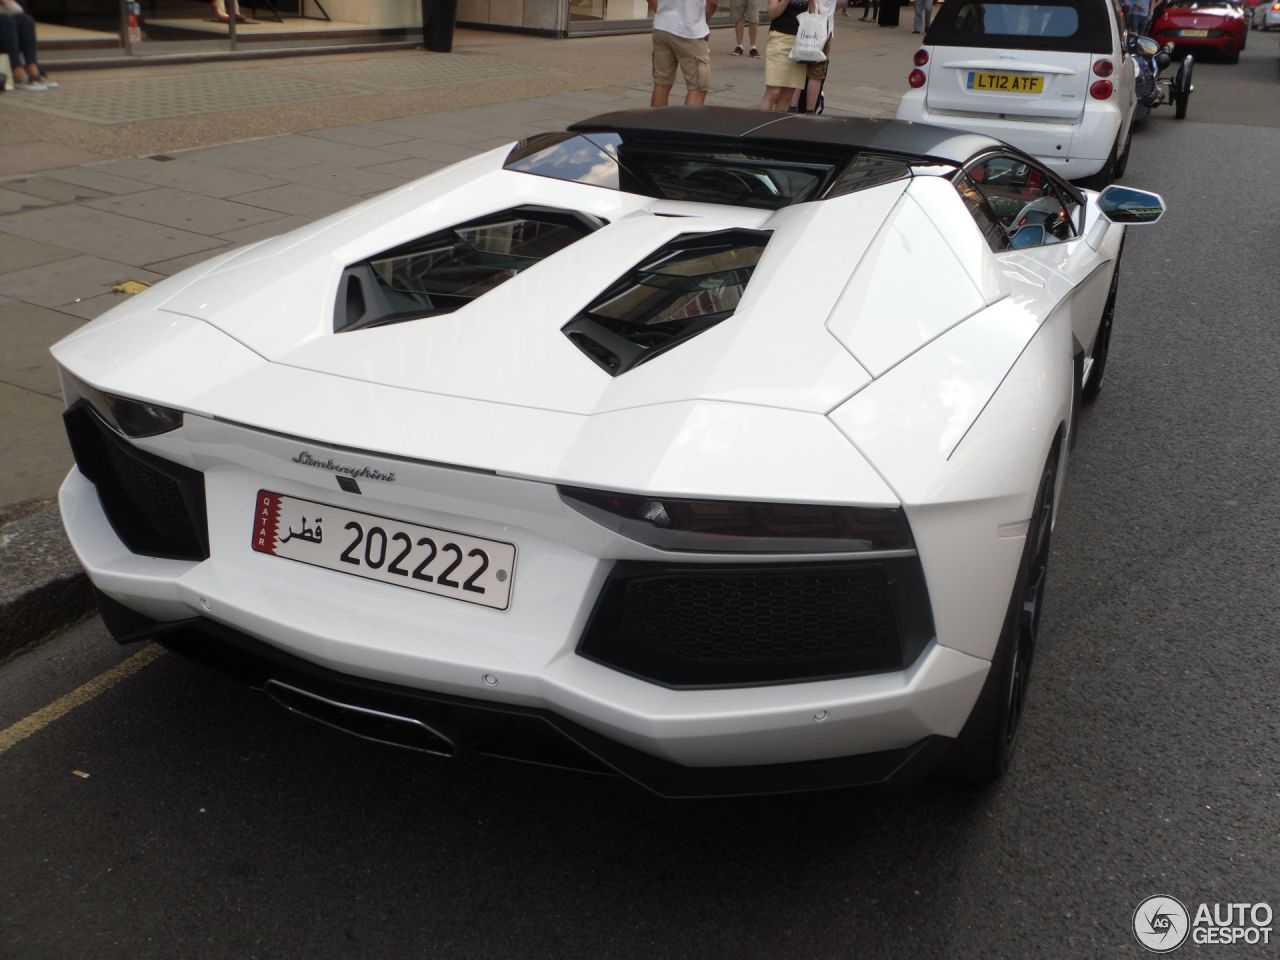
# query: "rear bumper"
1072 150
459 725
1224 40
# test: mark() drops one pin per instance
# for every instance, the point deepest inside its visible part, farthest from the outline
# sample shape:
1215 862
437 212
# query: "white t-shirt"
684 18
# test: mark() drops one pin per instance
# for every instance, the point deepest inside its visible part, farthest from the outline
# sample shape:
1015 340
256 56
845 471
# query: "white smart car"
713 447
1052 77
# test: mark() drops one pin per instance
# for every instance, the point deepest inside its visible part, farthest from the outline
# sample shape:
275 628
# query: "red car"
1202 24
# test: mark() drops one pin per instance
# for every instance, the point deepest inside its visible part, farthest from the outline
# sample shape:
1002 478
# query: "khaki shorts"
818 71
748 11
779 69
692 56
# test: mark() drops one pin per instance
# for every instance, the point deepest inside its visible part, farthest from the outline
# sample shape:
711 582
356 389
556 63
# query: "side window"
1024 200
976 204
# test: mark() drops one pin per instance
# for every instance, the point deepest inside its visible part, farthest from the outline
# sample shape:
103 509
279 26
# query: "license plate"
443 562
1006 82
1193 33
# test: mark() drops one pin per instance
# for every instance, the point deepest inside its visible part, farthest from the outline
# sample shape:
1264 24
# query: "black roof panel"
714 126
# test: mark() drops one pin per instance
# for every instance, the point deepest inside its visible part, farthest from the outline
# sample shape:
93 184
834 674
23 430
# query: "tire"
1122 161
1106 176
1182 87
1102 342
984 750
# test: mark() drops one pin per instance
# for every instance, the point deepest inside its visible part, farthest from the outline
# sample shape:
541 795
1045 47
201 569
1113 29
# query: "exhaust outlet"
363 722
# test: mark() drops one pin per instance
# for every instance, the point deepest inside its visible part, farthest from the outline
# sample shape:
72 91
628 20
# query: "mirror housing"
1129 206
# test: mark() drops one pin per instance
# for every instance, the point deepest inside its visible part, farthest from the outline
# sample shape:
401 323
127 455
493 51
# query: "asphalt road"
213 824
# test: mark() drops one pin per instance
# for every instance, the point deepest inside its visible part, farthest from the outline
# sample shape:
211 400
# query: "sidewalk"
138 173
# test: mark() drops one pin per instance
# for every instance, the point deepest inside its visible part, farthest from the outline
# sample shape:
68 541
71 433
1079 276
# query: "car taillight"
732 526
1101 90
916 78
921 58
1275 6
1103 68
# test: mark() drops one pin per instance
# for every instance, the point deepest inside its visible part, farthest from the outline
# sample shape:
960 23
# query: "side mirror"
1162 60
1129 206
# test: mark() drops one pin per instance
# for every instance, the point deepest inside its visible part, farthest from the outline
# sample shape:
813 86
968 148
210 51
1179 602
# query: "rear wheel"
1104 177
1182 87
1122 161
984 749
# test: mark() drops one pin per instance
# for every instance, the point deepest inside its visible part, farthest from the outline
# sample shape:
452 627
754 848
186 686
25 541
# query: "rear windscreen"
1073 26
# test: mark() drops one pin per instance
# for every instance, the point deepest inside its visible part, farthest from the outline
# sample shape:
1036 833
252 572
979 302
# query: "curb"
42 588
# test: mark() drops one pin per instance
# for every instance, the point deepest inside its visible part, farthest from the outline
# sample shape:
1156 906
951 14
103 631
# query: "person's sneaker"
755 53
31 86
50 84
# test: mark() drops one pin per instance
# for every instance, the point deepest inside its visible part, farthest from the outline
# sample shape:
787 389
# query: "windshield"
745 177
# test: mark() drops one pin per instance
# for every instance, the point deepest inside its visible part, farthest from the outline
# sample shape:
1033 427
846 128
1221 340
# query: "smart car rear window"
446 270
688 286
1073 26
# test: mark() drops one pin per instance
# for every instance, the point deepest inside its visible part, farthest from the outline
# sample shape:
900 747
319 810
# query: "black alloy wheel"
984 750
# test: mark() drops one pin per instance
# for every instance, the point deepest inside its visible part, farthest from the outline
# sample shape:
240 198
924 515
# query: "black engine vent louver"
446 270
685 287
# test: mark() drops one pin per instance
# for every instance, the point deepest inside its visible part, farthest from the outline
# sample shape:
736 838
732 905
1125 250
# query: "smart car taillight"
1103 68
734 526
916 78
921 58
1101 90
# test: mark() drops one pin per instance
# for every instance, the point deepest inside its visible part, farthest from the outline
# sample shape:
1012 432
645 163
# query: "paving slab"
18 253
360 136
184 210
296 198
325 151
33 429
95 178
352 180
107 235
246 157
411 168
441 153
27 331
40 155
178 264
183 173
11 201
57 191
272 228
66 281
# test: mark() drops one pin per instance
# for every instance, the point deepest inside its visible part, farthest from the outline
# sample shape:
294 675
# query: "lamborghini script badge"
307 460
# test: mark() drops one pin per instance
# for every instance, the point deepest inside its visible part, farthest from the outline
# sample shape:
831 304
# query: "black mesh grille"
155 506
698 625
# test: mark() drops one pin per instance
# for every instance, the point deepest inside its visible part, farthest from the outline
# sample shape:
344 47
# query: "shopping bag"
811 37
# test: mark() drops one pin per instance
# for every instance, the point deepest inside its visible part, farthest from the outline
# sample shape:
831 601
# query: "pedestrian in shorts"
747 11
681 39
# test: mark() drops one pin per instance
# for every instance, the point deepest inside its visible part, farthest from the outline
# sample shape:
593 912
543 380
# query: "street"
214 824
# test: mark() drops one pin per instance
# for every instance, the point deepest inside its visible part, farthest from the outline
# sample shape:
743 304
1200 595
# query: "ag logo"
1161 924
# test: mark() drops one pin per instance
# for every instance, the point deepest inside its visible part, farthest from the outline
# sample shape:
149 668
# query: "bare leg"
693 97
737 32
752 28
661 94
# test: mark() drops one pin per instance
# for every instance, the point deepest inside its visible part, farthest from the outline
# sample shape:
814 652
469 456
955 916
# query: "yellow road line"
35 722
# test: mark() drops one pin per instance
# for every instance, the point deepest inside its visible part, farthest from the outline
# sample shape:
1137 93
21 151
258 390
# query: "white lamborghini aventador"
715 448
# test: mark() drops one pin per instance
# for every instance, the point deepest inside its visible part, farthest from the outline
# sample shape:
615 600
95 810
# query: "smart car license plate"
1193 33
1006 82
443 562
